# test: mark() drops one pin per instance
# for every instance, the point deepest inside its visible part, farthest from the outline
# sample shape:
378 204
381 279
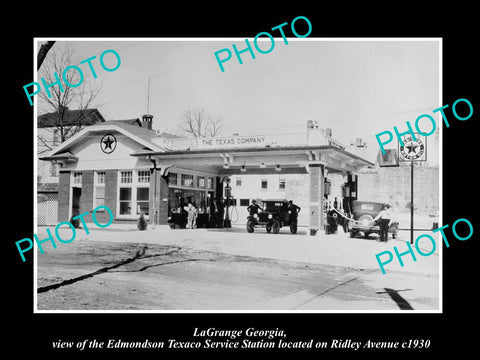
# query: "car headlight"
289 212
255 216
270 216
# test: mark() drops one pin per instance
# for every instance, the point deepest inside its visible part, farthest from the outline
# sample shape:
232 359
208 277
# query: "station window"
133 193
100 177
144 177
125 201
172 178
201 181
244 202
264 184
77 178
186 180
281 184
238 181
210 183
142 200
126 177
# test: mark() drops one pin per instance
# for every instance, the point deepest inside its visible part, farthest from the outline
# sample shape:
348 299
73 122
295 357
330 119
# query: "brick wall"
153 205
63 196
163 208
296 189
86 199
316 190
158 197
392 185
110 196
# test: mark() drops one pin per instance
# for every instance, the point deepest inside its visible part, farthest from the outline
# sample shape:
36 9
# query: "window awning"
64 156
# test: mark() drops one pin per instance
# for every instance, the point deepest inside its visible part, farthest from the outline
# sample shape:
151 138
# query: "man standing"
221 212
213 212
254 208
192 216
293 210
384 219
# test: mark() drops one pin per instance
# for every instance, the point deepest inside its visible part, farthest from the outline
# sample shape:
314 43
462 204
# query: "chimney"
147 121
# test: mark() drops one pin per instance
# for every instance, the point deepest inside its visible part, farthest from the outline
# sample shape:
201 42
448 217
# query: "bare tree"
56 107
197 123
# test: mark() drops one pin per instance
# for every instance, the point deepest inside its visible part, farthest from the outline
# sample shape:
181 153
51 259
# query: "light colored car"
363 213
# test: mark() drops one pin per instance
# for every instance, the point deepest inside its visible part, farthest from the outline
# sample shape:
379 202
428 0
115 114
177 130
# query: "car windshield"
274 206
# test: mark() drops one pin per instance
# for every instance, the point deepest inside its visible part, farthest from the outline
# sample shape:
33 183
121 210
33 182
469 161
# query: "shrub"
141 223
75 223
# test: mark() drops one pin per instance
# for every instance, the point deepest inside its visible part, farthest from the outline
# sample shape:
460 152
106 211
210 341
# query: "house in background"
52 130
49 135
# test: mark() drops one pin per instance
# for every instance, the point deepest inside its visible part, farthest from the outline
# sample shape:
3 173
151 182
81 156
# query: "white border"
386 39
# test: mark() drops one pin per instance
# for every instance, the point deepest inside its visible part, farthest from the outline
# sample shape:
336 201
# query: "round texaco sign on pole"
413 149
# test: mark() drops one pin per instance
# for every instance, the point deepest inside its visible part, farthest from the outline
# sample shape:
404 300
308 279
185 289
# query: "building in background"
52 130
133 169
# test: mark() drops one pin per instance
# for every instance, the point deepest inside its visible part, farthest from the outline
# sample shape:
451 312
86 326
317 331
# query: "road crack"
140 254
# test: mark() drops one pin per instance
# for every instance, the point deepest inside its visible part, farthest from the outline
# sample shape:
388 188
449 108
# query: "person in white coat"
384 219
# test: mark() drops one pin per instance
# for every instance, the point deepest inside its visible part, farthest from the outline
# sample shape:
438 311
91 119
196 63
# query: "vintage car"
363 213
274 216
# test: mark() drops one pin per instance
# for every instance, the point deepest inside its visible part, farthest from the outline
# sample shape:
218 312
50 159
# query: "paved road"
90 274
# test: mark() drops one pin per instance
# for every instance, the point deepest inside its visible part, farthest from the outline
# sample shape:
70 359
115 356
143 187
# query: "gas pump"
330 215
349 193
229 201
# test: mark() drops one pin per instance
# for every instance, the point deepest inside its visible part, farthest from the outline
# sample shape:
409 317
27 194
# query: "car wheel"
269 228
394 236
293 229
250 226
352 233
276 227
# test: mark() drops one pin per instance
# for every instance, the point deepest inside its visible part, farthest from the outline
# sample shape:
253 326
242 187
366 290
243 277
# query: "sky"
357 88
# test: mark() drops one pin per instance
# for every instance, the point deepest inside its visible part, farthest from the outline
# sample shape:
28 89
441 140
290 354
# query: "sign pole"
411 202
412 149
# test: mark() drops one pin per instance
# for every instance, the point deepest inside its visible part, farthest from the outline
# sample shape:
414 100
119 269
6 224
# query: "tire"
352 233
276 227
394 236
293 229
250 226
268 228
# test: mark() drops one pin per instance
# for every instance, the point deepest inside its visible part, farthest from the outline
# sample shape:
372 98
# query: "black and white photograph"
251 188
219 180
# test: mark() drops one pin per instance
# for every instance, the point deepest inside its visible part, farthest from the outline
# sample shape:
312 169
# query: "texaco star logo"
412 149
108 143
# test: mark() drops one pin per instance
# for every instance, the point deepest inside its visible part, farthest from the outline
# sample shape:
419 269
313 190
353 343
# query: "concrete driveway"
230 270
